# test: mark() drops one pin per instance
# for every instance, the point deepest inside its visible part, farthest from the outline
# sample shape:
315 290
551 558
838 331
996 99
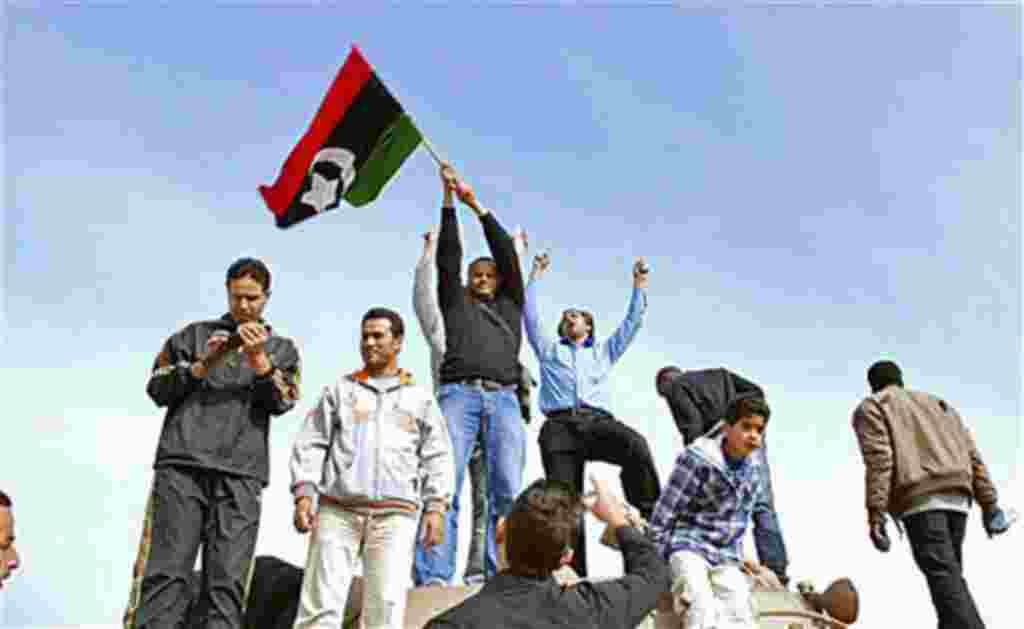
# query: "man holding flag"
479 373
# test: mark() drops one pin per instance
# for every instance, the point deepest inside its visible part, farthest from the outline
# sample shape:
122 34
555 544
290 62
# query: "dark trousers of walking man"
936 540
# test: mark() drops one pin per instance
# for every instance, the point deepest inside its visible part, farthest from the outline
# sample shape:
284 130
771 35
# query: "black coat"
222 422
700 398
512 602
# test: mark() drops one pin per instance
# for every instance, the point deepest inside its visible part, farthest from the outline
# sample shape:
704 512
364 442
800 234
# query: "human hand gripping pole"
452 184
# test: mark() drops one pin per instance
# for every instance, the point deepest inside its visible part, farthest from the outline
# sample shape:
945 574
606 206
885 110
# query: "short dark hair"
487 259
5 500
249 267
397 326
884 373
747 406
541 527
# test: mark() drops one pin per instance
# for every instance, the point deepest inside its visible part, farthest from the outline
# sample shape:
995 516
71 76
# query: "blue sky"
814 188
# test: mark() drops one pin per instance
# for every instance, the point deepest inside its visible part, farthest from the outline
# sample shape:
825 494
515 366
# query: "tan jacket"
915 444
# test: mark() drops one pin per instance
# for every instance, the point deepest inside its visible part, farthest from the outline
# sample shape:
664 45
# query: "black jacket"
221 422
476 344
699 399
511 602
273 594
273 600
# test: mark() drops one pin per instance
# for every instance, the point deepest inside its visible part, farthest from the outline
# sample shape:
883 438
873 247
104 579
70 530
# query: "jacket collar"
508 581
710 447
363 377
587 343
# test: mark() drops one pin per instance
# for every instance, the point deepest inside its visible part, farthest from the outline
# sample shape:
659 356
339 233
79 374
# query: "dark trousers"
937 539
567 441
191 508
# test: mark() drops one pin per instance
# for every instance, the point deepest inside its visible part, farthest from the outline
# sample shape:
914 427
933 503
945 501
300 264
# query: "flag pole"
430 149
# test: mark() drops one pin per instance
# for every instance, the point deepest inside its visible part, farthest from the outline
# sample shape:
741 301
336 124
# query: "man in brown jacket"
923 468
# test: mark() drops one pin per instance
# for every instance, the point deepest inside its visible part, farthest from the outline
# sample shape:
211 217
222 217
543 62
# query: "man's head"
8 553
665 377
248 286
381 339
576 325
539 531
745 422
484 279
884 373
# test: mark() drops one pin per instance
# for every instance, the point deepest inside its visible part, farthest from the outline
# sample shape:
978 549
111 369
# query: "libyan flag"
355 144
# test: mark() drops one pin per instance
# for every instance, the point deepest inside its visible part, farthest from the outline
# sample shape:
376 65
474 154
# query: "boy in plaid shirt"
702 515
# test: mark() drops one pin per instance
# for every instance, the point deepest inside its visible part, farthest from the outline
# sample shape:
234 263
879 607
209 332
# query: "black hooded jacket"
699 399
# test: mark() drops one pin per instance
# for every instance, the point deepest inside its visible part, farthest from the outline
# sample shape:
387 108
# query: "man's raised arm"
626 601
531 316
449 247
424 297
626 332
503 249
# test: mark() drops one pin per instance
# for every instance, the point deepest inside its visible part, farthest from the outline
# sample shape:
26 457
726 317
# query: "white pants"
718 597
385 545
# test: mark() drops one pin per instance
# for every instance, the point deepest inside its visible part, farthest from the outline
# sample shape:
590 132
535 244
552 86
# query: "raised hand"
606 506
429 242
541 262
521 240
465 193
448 182
640 273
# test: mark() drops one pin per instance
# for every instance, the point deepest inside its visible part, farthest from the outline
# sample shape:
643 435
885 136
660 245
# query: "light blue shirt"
572 375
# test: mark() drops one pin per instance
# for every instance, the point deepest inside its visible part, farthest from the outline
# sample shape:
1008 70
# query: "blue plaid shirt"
707 506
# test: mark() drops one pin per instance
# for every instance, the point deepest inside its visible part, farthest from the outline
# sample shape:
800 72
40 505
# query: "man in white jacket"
374 451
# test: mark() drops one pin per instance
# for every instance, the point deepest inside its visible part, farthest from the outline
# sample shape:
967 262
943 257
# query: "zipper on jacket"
376 444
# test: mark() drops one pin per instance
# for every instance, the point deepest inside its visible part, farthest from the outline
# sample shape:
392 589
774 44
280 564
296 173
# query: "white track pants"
718 597
342 538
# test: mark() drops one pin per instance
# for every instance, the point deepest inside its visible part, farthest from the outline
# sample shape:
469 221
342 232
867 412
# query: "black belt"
583 411
485 383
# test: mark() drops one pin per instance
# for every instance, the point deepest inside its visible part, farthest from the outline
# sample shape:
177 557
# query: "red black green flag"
357 141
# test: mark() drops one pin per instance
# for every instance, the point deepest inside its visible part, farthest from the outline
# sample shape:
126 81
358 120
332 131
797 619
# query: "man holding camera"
221 381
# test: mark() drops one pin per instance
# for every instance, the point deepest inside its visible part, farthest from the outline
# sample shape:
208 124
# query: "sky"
814 188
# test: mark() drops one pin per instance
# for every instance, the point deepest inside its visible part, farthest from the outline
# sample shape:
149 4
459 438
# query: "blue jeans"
771 550
495 415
